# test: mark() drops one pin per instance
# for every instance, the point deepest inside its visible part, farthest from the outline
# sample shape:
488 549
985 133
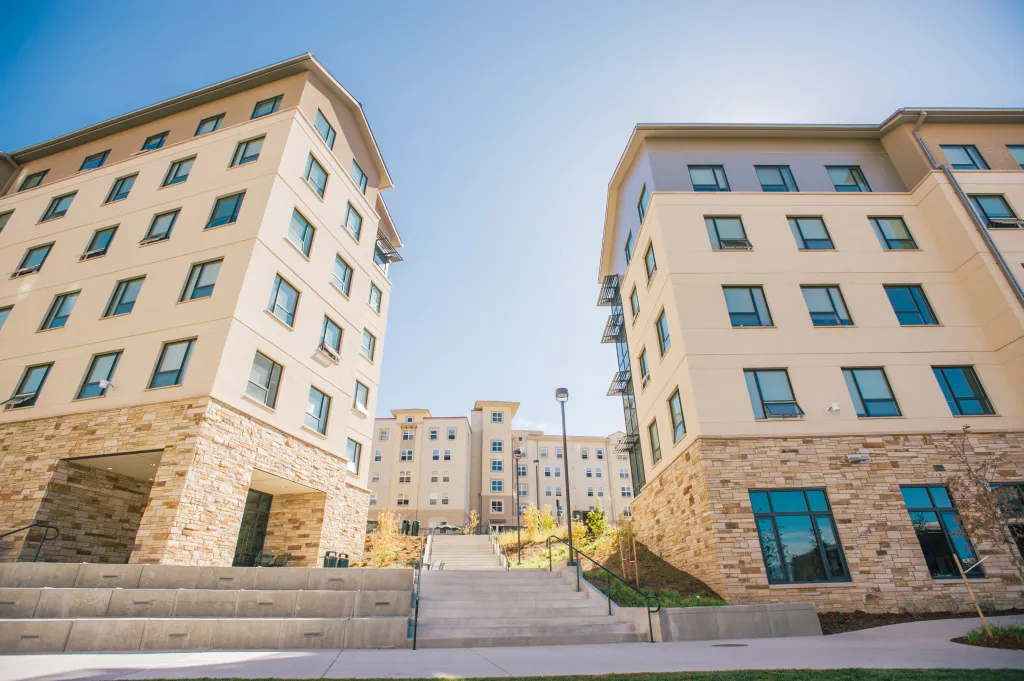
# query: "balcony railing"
609 291
620 383
384 253
614 330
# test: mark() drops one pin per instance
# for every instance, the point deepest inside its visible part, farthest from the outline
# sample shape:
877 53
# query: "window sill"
115 316
296 248
315 433
834 326
55 328
361 413
164 387
278 319
767 326
368 359
253 400
313 189
813 585
338 289
87 399
173 184
193 300
107 203
334 360
143 244
43 222
881 418
372 308
209 228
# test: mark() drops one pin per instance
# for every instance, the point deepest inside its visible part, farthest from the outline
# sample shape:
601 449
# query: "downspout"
14 174
979 224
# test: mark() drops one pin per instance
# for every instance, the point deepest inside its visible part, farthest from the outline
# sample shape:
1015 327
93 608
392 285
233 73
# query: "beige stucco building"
806 317
161 410
436 469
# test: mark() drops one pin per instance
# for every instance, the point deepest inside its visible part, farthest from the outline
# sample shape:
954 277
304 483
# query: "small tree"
597 521
579 533
531 521
472 523
548 521
385 546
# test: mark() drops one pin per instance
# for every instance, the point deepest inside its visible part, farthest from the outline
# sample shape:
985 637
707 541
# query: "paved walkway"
913 645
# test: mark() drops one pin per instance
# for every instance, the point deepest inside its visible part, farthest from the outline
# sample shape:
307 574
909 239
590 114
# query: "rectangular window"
4 219
675 410
361 400
378 456
122 301
375 476
316 176
826 306
179 171
58 207
497 446
664 340
451 433
284 301
94 160
521 470
99 375
210 124
330 342
590 491
645 371
652 434
600 454
408 434
497 507
433 433
121 188
649 263
547 490
624 473
995 211
939 532
403 500
558 493
642 203
747 306
848 179
727 234
448 454
893 235
34 180
383 435
798 536
433 497
342 276
558 452
5 312
910 305
29 387
353 452
871 392
584 453
963 391
247 152
634 303
60 311
626 492
811 234
264 380
33 260
630 244
353 222
375 297
318 408
1017 151
771 394
154 141
590 472
99 243
265 107
523 490
160 227
368 347
497 486
497 465
225 210
324 128
171 365
497 417
963 157
405 455
444 498
300 233
358 176
708 178
547 471
776 179
201 280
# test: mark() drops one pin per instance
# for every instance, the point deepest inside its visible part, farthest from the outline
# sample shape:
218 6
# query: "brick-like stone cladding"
697 515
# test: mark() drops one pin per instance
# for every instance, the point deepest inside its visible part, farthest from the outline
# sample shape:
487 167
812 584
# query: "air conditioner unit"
329 351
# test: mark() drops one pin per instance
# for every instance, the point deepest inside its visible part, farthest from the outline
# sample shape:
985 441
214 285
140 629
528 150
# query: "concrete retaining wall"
739 621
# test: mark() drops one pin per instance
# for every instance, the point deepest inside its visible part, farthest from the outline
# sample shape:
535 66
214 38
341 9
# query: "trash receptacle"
405 527
415 528
342 561
331 559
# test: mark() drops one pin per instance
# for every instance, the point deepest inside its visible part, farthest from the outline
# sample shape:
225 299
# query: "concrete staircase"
464 552
69 607
464 609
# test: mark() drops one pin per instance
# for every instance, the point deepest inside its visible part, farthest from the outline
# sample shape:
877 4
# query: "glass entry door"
254 528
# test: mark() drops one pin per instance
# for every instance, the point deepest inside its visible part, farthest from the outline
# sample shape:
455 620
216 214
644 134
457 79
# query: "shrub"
597 521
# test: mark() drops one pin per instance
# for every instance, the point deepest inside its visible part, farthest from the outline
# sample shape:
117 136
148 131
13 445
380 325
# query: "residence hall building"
193 302
806 317
436 469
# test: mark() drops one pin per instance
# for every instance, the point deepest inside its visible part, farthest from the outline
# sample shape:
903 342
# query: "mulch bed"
1005 641
840 622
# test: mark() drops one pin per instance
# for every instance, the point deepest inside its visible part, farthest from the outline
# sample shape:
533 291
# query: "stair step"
547 626
584 620
529 640
529 609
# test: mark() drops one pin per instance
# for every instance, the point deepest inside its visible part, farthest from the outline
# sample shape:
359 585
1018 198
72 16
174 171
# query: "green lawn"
790 675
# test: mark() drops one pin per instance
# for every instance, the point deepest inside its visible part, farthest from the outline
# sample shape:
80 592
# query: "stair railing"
502 554
46 535
425 549
653 602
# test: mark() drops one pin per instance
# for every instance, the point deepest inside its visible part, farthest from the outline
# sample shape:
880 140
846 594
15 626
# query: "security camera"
858 458
833 408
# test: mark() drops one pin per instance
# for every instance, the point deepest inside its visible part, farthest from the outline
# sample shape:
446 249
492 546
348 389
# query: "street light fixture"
562 396
518 454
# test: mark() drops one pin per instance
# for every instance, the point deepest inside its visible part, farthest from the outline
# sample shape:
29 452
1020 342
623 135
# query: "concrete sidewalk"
913 645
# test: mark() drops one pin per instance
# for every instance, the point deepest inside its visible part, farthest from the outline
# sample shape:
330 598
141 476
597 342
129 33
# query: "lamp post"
562 395
518 456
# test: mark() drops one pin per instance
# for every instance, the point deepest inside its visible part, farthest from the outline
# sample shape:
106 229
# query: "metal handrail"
419 585
648 598
502 553
46 535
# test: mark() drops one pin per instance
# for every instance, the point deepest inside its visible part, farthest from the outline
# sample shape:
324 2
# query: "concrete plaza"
914 645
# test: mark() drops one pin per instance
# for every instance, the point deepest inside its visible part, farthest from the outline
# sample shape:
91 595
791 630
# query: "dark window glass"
353 222
776 179
747 306
342 276
316 176
154 141
771 394
798 536
727 233
58 207
29 387
826 305
123 299
178 172
99 244
201 280
652 434
811 234
708 179
354 452
300 232
5 312
910 305
266 107
284 300
318 408
376 297
264 380
893 234
940 533
1017 151
664 340
99 375
171 365
120 189
368 346
225 210
33 260
358 176
209 124
630 243
995 211
963 391
634 303
247 152
964 157
871 392
160 228
675 410
33 180
361 397
642 203
94 160
649 262
330 335
60 311
4 218
848 179
325 129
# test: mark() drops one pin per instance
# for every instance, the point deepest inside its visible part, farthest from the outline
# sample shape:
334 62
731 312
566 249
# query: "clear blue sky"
501 124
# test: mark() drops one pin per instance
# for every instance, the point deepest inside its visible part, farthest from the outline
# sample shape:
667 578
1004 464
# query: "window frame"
195 274
357 231
364 407
888 244
830 289
715 235
306 247
861 184
173 176
331 135
996 222
361 179
115 195
53 312
342 283
380 298
939 511
766 413
53 211
317 189
922 306
241 157
117 297
663 335
323 339
860 403
321 419
650 262
101 156
179 373
216 120
802 241
28 399
629 246
977 160
160 137
642 203
373 349
25 183
953 401
273 387
785 173
213 221
151 237
634 303
750 290
275 293
275 104
1017 152
654 440
715 170
675 409
24 268
86 383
